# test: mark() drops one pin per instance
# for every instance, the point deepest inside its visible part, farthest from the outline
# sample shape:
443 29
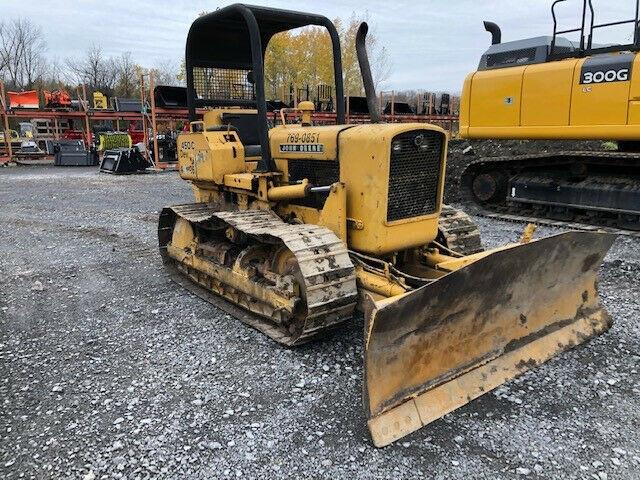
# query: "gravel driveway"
109 370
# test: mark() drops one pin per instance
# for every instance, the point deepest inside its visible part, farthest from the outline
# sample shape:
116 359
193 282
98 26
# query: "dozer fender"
437 348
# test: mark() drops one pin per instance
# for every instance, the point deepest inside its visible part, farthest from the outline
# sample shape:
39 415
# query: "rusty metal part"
220 252
433 258
237 283
235 236
458 232
528 233
485 186
440 346
283 261
378 284
324 272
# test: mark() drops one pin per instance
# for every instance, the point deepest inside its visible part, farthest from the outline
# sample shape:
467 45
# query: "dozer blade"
439 347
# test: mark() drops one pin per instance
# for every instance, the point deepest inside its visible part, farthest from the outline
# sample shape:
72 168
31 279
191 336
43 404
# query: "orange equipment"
57 99
27 99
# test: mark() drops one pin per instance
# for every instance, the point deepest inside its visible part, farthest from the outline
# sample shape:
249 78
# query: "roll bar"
235 38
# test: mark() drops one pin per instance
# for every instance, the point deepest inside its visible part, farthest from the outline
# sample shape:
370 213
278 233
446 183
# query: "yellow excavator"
296 227
552 88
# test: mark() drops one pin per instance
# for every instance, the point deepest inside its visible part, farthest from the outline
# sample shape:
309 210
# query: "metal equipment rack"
154 115
86 115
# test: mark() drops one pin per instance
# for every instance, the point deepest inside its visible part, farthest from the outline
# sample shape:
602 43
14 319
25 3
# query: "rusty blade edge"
489 356
430 405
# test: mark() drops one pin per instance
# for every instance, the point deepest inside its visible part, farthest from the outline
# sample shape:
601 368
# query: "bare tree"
378 55
34 63
9 54
4 61
127 82
381 66
167 73
22 61
98 72
55 76
55 72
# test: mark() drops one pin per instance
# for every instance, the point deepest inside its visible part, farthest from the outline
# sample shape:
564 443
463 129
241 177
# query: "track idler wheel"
489 186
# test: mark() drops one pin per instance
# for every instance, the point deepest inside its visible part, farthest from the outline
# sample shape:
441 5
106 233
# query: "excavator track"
324 273
458 231
582 217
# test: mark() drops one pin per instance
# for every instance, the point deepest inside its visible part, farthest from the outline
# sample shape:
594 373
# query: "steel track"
594 222
326 271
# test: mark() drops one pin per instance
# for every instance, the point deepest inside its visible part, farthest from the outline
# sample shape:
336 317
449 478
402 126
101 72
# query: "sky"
432 44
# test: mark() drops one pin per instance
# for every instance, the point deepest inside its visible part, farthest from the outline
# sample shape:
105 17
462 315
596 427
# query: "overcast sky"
432 44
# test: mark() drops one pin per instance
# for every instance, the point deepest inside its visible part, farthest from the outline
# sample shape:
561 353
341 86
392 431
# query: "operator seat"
246 125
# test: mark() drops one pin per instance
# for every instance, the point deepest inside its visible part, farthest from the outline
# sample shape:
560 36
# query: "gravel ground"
109 370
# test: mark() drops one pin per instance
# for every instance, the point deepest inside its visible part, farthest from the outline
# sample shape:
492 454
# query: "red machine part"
72 134
57 99
137 136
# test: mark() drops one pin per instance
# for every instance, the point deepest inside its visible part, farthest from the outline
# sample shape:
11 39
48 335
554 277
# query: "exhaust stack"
494 30
365 71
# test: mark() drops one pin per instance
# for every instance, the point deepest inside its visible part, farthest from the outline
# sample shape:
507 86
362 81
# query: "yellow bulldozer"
298 227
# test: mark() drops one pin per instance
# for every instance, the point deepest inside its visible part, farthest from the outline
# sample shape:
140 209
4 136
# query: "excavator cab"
297 227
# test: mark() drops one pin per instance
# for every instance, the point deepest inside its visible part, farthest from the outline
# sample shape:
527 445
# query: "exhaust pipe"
365 71
494 30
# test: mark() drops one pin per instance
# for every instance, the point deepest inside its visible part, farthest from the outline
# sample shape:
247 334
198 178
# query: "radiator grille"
414 174
319 173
